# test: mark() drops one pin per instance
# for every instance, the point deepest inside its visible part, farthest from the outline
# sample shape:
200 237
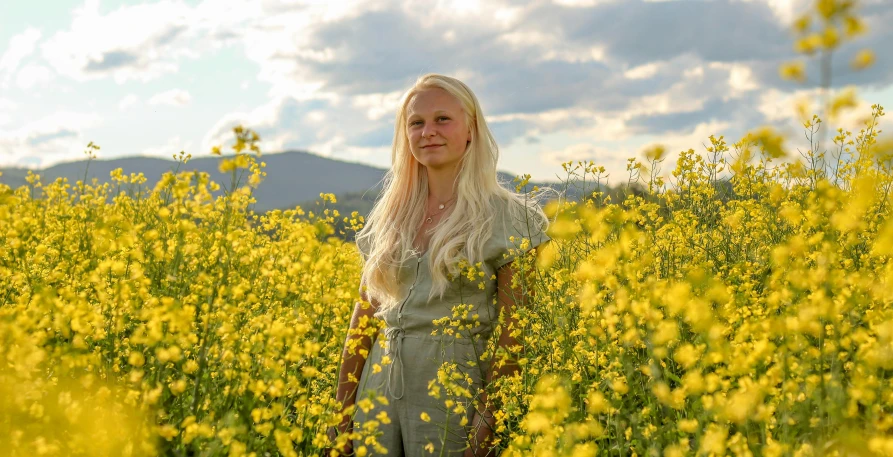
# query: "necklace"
442 207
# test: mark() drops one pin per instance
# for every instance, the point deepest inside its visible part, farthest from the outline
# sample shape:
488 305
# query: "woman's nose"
428 131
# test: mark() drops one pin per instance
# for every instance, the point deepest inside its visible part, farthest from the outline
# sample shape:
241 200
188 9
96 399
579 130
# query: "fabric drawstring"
395 336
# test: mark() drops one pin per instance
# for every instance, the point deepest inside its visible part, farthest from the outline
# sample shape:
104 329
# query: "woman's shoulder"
517 224
517 212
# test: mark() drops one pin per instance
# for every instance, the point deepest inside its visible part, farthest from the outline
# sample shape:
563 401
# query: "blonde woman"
441 204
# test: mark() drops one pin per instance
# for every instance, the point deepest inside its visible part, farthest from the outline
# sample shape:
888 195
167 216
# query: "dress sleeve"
525 225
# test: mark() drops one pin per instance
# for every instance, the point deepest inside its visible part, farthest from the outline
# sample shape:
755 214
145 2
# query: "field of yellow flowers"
742 307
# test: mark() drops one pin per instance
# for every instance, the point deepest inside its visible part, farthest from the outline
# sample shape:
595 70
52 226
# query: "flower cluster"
185 319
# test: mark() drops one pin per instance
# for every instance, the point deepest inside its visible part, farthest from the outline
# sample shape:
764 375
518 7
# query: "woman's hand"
482 425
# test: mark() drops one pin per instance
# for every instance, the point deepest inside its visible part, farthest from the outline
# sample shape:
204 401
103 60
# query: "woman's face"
436 128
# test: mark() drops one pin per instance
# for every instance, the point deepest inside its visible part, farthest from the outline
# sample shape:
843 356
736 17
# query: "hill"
292 177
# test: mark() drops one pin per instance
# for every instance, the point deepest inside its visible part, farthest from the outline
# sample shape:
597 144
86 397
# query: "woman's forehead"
432 101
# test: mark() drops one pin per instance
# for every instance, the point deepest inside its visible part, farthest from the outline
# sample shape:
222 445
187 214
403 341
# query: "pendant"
441 206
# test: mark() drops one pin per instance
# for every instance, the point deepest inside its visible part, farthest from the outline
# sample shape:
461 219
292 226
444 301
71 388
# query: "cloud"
605 72
52 139
6 108
378 105
20 47
876 15
288 123
693 138
173 97
110 60
128 101
737 111
779 109
37 138
149 39
524 65
637 32
33 75
573 153
172 147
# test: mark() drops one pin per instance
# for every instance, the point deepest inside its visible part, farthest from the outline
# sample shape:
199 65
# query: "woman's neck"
440 184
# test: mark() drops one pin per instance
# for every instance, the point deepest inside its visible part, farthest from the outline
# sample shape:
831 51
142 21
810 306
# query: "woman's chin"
439 164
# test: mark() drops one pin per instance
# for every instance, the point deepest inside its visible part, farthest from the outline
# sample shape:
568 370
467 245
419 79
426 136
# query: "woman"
441 204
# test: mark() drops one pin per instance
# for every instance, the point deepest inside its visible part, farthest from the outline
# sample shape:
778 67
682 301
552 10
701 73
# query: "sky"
559 80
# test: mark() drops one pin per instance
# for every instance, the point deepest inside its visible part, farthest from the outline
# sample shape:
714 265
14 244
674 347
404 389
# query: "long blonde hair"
397 215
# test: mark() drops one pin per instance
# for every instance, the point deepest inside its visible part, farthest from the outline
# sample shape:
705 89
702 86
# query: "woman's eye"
443 117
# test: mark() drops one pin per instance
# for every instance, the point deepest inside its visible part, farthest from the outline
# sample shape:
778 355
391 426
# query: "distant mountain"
292 177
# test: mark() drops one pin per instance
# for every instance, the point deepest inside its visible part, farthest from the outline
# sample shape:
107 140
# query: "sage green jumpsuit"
416 354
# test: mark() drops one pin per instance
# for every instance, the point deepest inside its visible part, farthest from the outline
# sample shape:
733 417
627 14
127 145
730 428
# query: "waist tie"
395 337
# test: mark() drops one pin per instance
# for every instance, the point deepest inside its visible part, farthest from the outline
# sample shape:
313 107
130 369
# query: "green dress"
421 423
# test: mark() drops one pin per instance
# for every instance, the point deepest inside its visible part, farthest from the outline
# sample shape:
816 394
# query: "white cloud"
786 11
33 75
20 47
615 160
128 101
780 109
553 47
577 152
642 71
696 72
173 97
263 117
6 108
582 3
672 100
51 139
323 126
335 80
778 106
148 41
172 147
741 78
378 106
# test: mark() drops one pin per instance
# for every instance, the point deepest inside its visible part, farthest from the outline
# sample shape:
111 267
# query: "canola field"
742 306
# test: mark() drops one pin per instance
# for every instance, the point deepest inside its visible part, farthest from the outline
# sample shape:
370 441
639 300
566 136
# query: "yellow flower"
793 71
809 44
863 59
688 425
136 359
537 422
596 402
620 386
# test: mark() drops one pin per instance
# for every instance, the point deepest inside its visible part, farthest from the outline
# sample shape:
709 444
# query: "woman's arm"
507 299
353 358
